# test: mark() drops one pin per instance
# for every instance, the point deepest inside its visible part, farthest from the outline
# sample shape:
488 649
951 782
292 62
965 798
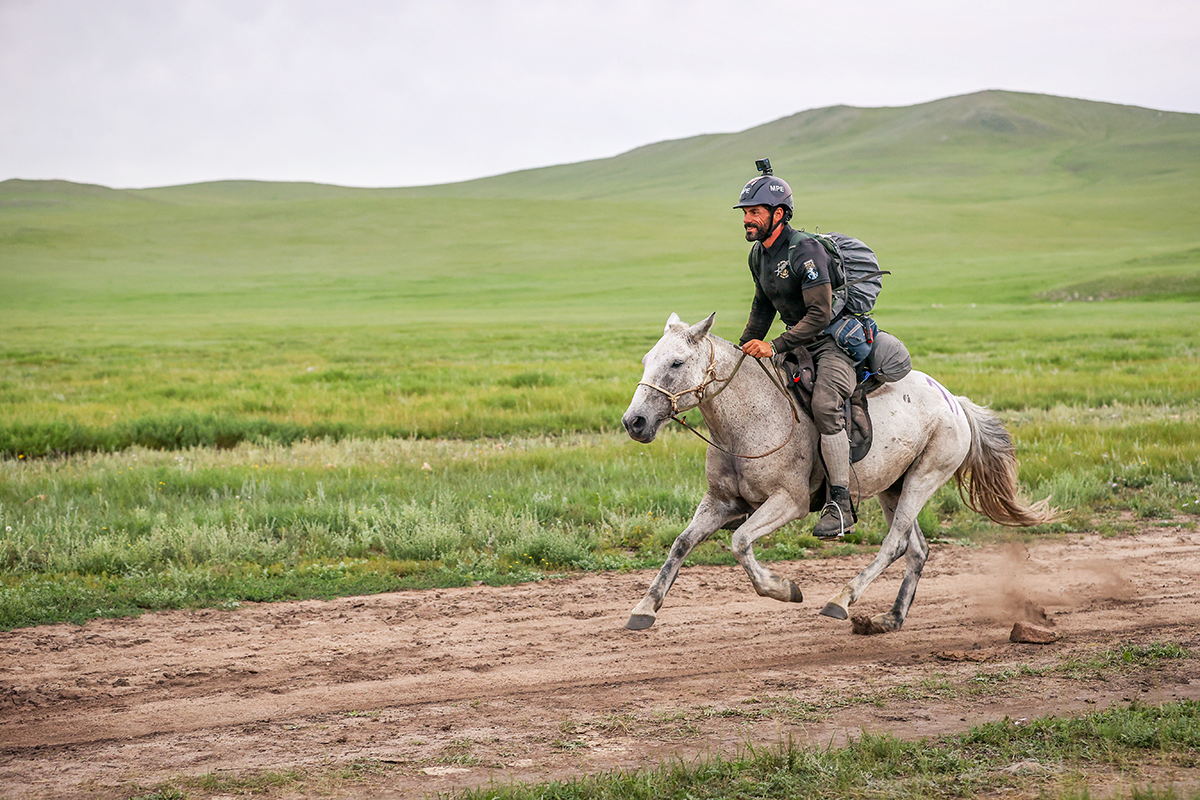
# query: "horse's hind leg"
777 511
916 556
895 544
710 515
904 536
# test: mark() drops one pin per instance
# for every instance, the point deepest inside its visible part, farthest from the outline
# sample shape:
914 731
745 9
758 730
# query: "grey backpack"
854 272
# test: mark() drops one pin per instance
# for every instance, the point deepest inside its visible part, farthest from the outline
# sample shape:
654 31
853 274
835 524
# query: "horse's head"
677 371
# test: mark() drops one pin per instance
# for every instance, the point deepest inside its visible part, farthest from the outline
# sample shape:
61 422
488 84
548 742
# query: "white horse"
763 460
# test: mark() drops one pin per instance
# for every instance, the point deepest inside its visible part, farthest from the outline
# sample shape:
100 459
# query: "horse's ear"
701 329
674 322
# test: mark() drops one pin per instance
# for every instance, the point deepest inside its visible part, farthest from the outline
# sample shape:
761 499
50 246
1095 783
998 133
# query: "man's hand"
758 349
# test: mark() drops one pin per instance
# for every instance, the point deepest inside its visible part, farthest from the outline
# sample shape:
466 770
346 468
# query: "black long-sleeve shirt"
791 279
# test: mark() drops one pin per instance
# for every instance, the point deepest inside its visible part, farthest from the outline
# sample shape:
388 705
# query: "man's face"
757 221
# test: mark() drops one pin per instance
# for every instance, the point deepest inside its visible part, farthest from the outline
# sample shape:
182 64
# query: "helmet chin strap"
771 231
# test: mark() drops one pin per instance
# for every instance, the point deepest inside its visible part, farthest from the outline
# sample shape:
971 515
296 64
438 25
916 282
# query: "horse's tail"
987 478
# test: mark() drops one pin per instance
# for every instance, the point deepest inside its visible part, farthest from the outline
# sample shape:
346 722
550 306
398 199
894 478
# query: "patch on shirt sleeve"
810 269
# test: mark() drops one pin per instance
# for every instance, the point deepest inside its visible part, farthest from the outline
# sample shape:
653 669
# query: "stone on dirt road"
1029 633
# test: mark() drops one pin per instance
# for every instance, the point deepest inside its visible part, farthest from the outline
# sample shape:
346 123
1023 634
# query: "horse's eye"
676 364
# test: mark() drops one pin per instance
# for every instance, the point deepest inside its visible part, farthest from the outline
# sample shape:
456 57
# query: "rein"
710 377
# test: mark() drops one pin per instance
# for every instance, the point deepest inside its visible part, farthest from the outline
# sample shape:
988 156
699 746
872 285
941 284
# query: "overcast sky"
135 93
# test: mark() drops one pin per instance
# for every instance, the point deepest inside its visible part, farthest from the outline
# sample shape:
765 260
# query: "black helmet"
766 190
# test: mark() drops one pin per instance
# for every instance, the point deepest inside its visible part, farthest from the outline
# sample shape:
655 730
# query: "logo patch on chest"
781 271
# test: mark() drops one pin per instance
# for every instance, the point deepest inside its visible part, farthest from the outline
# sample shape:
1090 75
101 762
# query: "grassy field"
973 764
1053 758
231 391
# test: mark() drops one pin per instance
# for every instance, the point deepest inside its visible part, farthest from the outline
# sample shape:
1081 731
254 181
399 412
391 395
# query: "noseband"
710 377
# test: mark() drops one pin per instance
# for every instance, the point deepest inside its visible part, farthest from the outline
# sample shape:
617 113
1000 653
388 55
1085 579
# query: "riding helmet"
766 190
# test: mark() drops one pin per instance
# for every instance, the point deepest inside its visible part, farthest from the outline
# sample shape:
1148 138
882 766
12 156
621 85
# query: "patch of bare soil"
400 695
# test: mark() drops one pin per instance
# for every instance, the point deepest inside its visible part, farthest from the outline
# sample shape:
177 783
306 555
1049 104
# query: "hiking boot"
837 517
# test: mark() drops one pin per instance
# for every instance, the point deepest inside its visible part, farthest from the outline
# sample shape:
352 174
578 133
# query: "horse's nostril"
635 424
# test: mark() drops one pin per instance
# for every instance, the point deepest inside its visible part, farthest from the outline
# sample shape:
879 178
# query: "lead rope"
711 378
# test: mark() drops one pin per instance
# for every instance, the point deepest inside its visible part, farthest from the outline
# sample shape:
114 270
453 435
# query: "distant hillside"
18 193
826 149
985 134
996 197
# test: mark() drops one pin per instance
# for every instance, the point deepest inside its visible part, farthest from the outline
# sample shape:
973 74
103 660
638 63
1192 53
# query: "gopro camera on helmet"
764 166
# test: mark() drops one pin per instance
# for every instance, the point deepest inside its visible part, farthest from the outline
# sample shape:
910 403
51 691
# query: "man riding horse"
794 282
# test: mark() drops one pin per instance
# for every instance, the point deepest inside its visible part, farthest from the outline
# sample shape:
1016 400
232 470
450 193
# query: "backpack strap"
794 240
837 272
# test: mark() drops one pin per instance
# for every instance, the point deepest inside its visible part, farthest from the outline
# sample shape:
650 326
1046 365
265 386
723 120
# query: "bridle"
710 377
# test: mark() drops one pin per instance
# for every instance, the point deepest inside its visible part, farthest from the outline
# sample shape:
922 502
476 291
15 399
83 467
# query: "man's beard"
755 234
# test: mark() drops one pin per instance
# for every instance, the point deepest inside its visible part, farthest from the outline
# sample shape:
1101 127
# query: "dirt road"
402 694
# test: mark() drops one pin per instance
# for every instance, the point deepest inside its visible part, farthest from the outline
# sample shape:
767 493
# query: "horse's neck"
750 395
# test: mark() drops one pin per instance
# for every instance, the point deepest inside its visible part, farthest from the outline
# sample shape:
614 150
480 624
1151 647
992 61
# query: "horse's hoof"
797 595
870 626
639 622
835 611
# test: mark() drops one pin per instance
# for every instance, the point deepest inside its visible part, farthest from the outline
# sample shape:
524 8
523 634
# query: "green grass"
1129 658
179 365
111 534
520 380
1050 757
1057 755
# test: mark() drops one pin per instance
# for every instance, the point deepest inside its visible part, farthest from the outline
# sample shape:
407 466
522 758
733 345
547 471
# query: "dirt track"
419 692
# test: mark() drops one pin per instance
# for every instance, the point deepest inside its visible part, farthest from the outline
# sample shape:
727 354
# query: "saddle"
801 373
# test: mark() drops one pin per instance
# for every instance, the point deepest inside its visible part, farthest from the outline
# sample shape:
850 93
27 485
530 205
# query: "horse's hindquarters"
912 419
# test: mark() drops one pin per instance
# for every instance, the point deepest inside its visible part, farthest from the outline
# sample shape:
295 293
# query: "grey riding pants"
833 385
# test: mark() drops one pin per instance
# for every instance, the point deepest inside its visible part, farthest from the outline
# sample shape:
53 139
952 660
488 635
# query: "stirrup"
842 529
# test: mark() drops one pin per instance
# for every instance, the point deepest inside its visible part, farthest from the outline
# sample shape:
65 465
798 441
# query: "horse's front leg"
779 509
710 515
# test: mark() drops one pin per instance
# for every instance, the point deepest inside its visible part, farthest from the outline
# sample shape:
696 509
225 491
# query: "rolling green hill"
952 146
989 197
995 212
